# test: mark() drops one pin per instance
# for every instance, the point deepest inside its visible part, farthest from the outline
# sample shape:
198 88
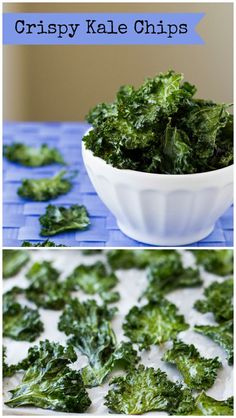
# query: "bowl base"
165 241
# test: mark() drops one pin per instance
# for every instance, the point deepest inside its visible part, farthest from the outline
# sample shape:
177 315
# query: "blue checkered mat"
20 217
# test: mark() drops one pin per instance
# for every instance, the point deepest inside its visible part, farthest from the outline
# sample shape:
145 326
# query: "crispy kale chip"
127 259
218 300
42 271
13 261
94 279
46 188
20 323
222 334
168 274
48 382
60 219
45 289
218 262
32 156
154 323
161 128
198 372
46 243
208 406
89 326
145 389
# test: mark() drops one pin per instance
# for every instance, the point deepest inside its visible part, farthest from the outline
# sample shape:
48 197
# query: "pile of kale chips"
161 128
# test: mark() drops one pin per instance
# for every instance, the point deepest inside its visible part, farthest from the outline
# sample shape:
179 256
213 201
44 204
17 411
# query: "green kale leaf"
46 243
32 156
20 323
48 382
168 274
218 300
145 389
127 259
154 323
89 326
42 271
45 289
46 188
161 128
13 261
198 372
222 334
218 262
60 219
94 279
208 406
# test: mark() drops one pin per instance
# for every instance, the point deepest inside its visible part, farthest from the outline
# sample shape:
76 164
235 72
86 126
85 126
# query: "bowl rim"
151 175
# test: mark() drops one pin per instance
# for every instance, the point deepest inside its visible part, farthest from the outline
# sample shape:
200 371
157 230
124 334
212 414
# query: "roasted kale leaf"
46 243
218 300
60 219
218 262
145 389
127 259
13 261
222 334
161 128
42 271
154 323
169 274
32 156
20 322
45 289
198 372
46 188
48 382
90 329
208 406
94 279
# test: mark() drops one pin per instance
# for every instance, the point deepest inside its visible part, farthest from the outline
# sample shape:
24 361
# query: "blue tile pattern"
20 217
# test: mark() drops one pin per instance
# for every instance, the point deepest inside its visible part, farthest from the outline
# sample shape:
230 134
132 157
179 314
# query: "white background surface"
131 285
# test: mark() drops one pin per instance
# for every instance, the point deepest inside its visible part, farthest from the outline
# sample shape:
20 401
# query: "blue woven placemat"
20 217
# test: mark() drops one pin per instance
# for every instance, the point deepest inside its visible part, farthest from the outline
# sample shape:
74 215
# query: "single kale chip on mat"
48 382
143 390
46 243
198 372
90 329
46 188
13 261
169 274
20 323
162 128
32 156
218 262
222 334
218 300
154 323
60 219
94 279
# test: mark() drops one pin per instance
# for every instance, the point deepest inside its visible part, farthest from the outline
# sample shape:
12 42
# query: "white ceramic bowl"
161 209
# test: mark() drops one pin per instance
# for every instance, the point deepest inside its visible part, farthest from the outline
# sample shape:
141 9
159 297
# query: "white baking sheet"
132 283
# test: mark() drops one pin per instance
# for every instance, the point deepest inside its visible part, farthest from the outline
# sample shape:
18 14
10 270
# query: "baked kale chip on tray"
162 128
122 331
